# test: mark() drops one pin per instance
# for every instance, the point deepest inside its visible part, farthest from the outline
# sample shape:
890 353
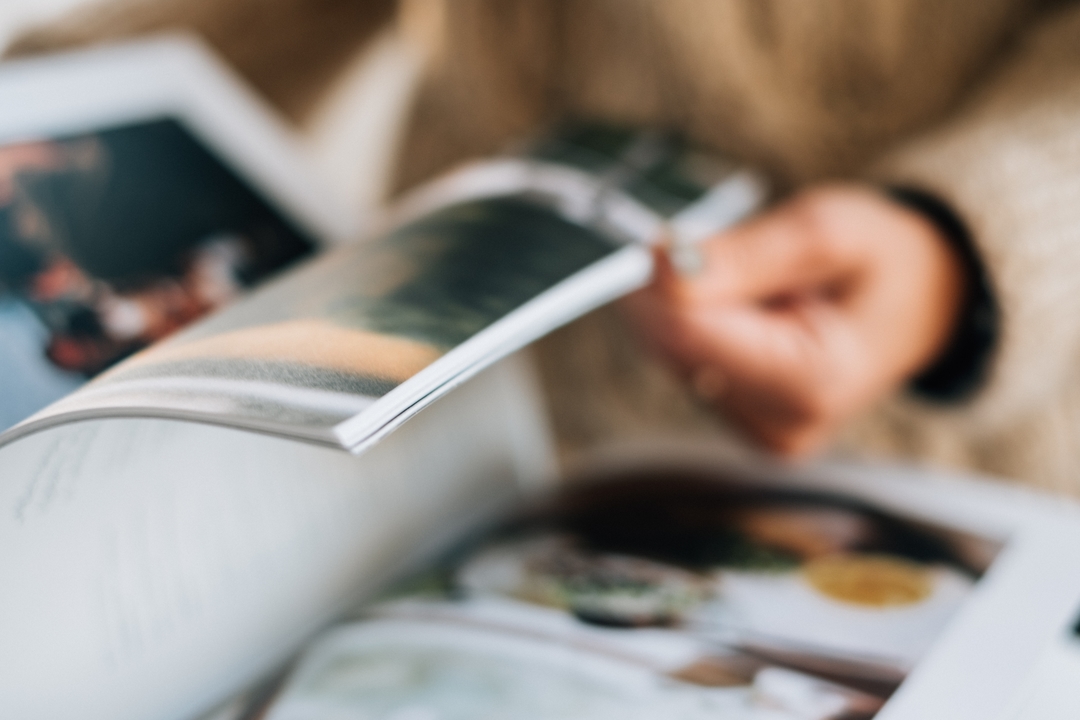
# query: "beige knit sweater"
978 102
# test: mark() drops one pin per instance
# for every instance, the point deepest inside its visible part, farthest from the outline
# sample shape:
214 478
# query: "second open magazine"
661 592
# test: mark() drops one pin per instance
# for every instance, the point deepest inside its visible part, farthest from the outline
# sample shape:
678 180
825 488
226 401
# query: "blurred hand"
805 315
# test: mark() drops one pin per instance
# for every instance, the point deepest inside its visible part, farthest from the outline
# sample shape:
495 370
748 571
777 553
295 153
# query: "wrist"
961 366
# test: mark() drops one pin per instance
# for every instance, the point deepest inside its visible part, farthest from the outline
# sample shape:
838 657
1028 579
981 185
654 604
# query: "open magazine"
472 268
200 346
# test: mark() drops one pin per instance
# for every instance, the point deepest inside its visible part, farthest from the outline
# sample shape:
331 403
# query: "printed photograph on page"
669 595
113 240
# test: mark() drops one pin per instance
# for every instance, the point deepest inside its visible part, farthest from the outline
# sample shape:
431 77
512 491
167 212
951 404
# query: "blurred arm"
1008 164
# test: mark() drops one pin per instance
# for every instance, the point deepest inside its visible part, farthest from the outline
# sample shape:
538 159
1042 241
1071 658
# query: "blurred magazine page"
476 265
112 240
655 596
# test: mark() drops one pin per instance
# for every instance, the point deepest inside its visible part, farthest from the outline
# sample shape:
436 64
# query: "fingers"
773 373
779 432
800 248
786 377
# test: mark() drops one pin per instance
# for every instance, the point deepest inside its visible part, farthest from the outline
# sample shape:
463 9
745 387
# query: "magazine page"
672 596
112 240
471 268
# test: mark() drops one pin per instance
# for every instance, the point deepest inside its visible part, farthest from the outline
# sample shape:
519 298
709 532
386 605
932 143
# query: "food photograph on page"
114 239
661 594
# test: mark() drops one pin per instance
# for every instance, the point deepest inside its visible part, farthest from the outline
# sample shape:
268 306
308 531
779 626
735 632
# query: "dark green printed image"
114 239
465 267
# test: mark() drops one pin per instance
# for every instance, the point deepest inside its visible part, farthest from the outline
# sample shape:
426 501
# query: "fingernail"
686 259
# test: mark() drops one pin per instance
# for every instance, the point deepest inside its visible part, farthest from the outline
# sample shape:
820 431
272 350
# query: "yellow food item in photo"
875 580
